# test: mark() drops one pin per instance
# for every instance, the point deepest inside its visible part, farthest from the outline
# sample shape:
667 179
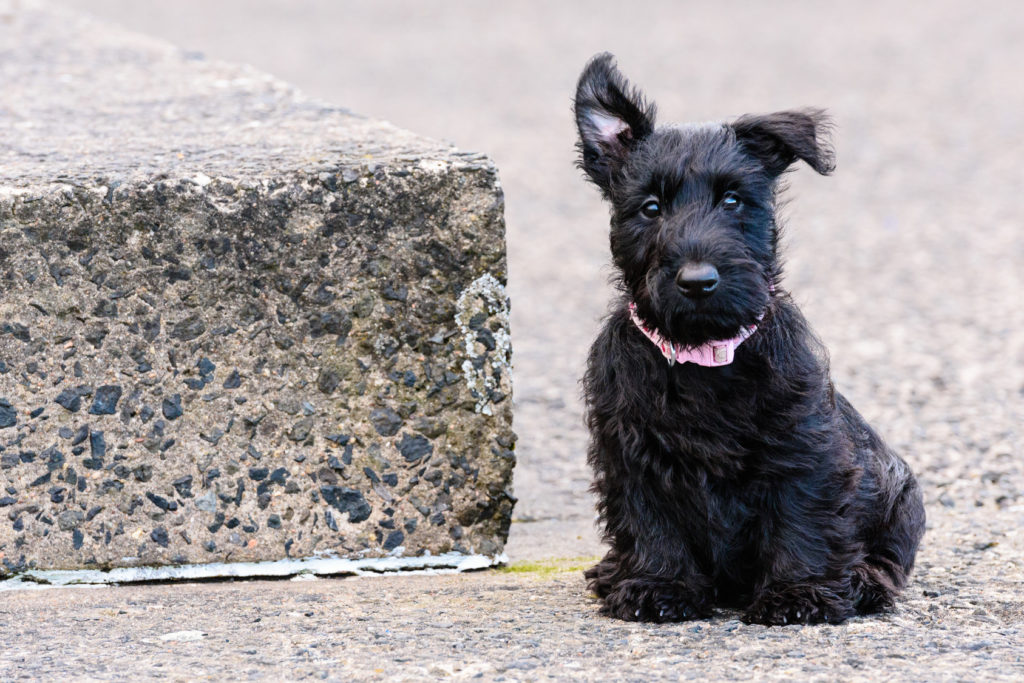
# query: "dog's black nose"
697 280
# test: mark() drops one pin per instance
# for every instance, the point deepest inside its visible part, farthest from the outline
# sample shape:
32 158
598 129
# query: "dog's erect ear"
612 118
779 139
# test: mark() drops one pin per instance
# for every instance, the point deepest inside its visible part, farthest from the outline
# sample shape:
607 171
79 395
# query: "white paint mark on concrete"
318 566
305 577
183 636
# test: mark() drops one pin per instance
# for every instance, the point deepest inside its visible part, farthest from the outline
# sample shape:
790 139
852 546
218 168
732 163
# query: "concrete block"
236 324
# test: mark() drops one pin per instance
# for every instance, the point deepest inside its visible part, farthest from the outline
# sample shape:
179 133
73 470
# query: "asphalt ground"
909 263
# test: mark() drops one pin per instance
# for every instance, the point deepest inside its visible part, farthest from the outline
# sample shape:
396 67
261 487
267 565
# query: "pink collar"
711 354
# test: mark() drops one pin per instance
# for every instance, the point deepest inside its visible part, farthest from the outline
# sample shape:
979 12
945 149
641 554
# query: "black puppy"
728 469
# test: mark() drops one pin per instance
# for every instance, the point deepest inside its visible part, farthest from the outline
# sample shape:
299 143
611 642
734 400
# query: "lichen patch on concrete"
482 317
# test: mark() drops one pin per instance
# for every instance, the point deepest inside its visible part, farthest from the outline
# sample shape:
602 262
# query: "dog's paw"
798 604
656 601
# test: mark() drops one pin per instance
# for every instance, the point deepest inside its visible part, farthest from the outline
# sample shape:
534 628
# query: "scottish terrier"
728 470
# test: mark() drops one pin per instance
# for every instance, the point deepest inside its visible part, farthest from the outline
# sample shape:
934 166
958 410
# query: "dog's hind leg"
890 552
891 516
603 576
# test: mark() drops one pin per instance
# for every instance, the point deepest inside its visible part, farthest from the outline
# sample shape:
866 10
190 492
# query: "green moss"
548 567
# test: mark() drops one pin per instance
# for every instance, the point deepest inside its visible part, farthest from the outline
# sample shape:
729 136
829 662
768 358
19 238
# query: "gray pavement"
909 262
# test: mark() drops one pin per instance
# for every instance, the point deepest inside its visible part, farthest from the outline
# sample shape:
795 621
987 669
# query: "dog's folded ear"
779 139
612 118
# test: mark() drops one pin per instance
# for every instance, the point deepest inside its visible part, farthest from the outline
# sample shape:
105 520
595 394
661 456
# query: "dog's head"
693 227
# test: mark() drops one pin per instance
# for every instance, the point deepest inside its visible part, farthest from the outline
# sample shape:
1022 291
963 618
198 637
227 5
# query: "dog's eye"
651 209
731 201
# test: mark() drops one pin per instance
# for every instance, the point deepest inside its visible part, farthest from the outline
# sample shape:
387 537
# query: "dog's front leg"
650 573
805 555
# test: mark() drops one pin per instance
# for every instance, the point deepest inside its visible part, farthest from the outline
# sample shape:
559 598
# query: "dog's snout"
697 280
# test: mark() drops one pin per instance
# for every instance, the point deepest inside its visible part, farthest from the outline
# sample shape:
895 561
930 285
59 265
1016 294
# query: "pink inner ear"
607 127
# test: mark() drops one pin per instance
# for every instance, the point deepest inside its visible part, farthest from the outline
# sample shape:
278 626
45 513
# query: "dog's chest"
706 425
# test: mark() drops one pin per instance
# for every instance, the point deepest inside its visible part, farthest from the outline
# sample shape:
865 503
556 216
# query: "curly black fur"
753 485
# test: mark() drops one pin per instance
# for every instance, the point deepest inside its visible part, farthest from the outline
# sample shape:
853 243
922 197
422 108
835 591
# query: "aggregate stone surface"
909 263
237 324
